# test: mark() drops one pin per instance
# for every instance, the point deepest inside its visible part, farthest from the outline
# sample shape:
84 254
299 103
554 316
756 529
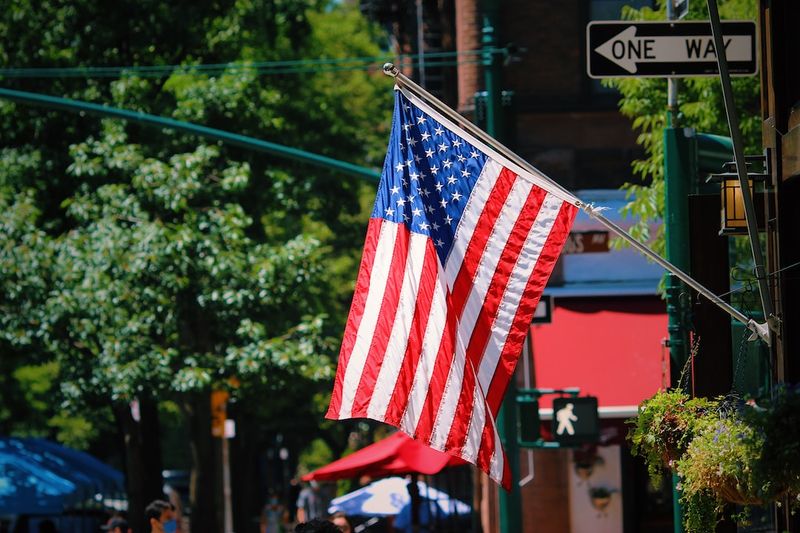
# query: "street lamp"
732 211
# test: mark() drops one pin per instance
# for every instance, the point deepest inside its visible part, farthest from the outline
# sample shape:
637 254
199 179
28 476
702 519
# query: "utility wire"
371 63
188 71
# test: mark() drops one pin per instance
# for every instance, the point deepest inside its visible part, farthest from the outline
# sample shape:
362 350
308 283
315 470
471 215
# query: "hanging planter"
600 498
723 451
665 426
585 461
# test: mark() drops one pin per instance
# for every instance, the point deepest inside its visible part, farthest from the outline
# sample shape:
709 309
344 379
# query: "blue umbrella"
25 487
41 477
387 497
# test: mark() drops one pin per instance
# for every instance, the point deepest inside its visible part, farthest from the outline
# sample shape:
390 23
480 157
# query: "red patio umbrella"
396 454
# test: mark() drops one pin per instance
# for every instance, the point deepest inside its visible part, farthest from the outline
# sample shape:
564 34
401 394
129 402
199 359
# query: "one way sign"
667 49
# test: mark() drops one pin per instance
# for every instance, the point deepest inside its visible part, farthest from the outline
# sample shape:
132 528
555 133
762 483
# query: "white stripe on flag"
449 403
497 464
529 255
475 428
491 255
430 348
366 329
401 329
469 219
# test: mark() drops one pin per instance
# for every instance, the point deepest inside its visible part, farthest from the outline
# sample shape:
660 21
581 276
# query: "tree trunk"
142 459
249 486
206 483
151 450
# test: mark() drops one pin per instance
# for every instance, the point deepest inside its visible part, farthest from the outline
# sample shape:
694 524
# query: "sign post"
667 49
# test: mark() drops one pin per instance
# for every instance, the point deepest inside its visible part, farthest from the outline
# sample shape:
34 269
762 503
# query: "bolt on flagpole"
758 329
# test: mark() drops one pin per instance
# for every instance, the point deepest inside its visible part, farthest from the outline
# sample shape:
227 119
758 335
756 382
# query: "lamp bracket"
761 161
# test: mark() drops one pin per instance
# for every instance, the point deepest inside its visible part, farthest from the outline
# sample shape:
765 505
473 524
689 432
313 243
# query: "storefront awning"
396 454
609 347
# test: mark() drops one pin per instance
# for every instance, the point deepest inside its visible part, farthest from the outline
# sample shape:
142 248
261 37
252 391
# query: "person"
116 524
174 498
317 525
341 521
273 514
291 498
160 515
425 510
309 503
404 522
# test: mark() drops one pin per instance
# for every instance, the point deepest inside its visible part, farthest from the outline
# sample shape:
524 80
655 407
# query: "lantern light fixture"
733 220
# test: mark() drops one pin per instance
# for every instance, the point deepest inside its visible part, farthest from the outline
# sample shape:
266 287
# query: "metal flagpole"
759 330
739 159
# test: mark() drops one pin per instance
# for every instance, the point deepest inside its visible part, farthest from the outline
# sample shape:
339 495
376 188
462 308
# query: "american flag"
459 248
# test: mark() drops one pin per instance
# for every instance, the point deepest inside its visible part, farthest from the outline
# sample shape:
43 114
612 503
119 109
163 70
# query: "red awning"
396 454
609 347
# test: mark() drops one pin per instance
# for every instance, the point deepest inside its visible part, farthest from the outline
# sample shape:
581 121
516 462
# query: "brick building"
564 123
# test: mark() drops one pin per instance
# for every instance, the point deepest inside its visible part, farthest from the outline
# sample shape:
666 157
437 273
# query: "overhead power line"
299 66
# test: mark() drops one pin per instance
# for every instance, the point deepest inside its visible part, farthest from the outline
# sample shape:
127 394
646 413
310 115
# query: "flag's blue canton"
427 177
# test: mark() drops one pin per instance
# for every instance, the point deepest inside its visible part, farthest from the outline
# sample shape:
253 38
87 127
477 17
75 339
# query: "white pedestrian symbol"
565 418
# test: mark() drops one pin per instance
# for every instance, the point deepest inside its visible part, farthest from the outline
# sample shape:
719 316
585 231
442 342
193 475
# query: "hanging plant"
720 466
665 426
585 460
723 451
777 420
600 497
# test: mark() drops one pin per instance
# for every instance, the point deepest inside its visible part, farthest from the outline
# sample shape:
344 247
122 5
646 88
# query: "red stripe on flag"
506 470
488 313
533 292
383 328
441 369
356 313
422 311
487 447
480 236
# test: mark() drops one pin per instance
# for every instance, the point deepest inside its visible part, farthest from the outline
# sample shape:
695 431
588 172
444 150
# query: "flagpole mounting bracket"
762 331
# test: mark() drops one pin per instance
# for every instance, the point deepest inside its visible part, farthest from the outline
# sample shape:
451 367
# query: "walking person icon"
565 418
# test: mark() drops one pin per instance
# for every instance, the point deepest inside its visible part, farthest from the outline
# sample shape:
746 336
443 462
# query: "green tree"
701 107
158 267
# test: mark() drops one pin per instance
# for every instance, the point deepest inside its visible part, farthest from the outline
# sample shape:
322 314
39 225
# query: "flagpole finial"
390 70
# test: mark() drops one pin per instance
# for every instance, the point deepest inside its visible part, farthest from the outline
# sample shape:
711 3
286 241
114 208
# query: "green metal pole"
511 501
679 165
677 216
495 125
79 106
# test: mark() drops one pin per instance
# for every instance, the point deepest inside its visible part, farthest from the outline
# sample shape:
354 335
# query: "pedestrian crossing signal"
575 420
